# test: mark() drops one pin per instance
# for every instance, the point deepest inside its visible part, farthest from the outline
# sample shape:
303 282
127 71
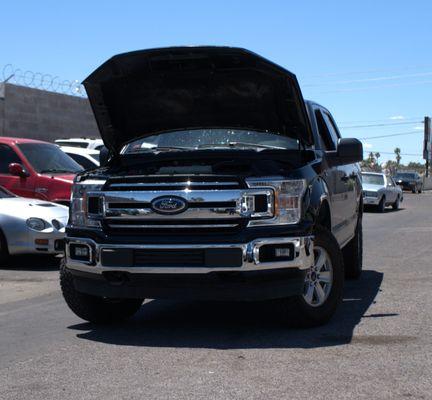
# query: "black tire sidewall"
308 315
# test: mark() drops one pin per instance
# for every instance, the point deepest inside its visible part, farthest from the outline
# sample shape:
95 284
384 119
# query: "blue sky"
369 62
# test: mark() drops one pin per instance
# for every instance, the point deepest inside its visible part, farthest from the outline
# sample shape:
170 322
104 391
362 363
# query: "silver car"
30 226
380 190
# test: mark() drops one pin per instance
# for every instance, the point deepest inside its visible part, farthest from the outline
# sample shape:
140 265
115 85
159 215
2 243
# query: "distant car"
30 226
36 169
409 181
380 190
88 159
83 143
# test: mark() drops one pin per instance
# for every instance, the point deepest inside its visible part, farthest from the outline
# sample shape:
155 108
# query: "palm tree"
397 151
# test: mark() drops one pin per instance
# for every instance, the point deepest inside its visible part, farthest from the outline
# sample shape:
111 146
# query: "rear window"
82 145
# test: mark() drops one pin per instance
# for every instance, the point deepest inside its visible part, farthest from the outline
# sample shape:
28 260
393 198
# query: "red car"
36 169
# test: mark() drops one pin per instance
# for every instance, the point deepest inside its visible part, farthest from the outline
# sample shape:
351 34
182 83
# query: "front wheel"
4 253
381 205
323 285
99 310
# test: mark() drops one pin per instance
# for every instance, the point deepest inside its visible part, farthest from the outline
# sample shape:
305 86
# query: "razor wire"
42 81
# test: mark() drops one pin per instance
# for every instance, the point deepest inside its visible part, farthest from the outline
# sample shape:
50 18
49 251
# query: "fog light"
282 252
79 252
276 252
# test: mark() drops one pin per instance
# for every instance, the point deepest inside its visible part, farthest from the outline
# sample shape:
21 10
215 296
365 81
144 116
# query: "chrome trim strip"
162 226
176 183
303 257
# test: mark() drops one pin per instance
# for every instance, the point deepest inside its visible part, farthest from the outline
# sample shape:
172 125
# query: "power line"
392 152
384 124
383 120
365 80
391 135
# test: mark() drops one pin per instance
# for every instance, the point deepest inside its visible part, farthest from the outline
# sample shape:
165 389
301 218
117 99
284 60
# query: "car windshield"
211 139
82 145
373 179
45 157
5 194
405 176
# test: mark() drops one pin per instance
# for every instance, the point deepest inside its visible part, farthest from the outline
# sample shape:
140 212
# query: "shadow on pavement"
34 262
235 325
388 210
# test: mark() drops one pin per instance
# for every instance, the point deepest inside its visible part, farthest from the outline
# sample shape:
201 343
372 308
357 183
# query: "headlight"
78 211
37 224
288 199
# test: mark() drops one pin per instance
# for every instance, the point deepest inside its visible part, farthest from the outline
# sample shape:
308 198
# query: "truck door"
345 192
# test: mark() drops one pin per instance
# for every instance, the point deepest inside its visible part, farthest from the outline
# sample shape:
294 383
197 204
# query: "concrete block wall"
39 114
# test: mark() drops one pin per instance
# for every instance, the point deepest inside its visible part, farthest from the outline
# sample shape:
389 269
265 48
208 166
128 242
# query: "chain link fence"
39 80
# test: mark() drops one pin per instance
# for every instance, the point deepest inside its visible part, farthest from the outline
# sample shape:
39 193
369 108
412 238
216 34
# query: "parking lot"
378 346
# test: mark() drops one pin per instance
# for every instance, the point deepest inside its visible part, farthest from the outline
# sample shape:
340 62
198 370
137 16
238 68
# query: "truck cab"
220 183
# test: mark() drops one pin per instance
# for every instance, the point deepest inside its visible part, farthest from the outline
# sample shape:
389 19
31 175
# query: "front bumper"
369 200
251 279
33 242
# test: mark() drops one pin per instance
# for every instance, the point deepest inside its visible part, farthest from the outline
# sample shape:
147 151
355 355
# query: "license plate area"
208 258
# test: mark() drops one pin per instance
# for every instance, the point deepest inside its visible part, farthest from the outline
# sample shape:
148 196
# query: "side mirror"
104 156
349 151
16 169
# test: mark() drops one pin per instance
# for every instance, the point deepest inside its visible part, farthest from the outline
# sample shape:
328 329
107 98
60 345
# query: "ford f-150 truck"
219 183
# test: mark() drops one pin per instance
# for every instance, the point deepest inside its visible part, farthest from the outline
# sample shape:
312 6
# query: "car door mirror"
16 169
349 151
104 156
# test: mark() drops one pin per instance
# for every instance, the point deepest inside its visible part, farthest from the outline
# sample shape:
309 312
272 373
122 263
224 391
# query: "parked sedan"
380 190
88 159
409 181
30 226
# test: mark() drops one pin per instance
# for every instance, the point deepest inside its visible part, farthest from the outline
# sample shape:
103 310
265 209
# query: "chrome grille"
211 205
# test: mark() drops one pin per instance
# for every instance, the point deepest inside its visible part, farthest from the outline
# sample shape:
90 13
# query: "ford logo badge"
169 205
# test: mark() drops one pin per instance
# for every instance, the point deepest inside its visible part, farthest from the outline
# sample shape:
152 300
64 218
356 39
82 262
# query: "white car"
380 190
87 158
30 226
82 143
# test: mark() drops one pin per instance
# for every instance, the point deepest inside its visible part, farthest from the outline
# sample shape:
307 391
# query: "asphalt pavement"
378 346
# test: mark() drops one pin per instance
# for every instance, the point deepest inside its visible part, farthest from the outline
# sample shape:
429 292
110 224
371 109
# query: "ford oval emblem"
169 205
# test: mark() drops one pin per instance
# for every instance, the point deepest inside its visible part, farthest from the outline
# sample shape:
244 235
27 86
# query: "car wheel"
381 205
4 252
413 190
419 190
396 203
353 253
323 286
95 309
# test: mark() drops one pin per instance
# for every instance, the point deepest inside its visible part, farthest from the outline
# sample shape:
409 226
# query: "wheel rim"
319 279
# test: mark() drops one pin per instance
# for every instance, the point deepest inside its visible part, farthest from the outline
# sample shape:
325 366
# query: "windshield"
5 194
46 157
405 175
211 139
373 179
82 145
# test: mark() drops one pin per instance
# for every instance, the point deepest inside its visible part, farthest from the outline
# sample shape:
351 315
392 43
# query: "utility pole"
427 143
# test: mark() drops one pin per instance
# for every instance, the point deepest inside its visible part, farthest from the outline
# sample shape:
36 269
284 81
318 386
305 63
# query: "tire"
413 190
381 205
94 309
419 190
396 204
353 253
297 311
4 251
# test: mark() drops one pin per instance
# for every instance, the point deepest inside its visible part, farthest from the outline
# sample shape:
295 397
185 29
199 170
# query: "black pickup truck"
219 183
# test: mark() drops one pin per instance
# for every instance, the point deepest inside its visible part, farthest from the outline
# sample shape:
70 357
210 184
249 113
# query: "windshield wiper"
159 148
235 144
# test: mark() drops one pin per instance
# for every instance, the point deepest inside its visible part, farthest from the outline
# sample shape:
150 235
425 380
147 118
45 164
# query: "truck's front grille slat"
130 205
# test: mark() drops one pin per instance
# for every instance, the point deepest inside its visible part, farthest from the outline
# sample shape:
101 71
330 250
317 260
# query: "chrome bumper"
368 200
303 256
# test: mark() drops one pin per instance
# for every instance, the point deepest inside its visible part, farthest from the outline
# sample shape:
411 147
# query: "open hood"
142 93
